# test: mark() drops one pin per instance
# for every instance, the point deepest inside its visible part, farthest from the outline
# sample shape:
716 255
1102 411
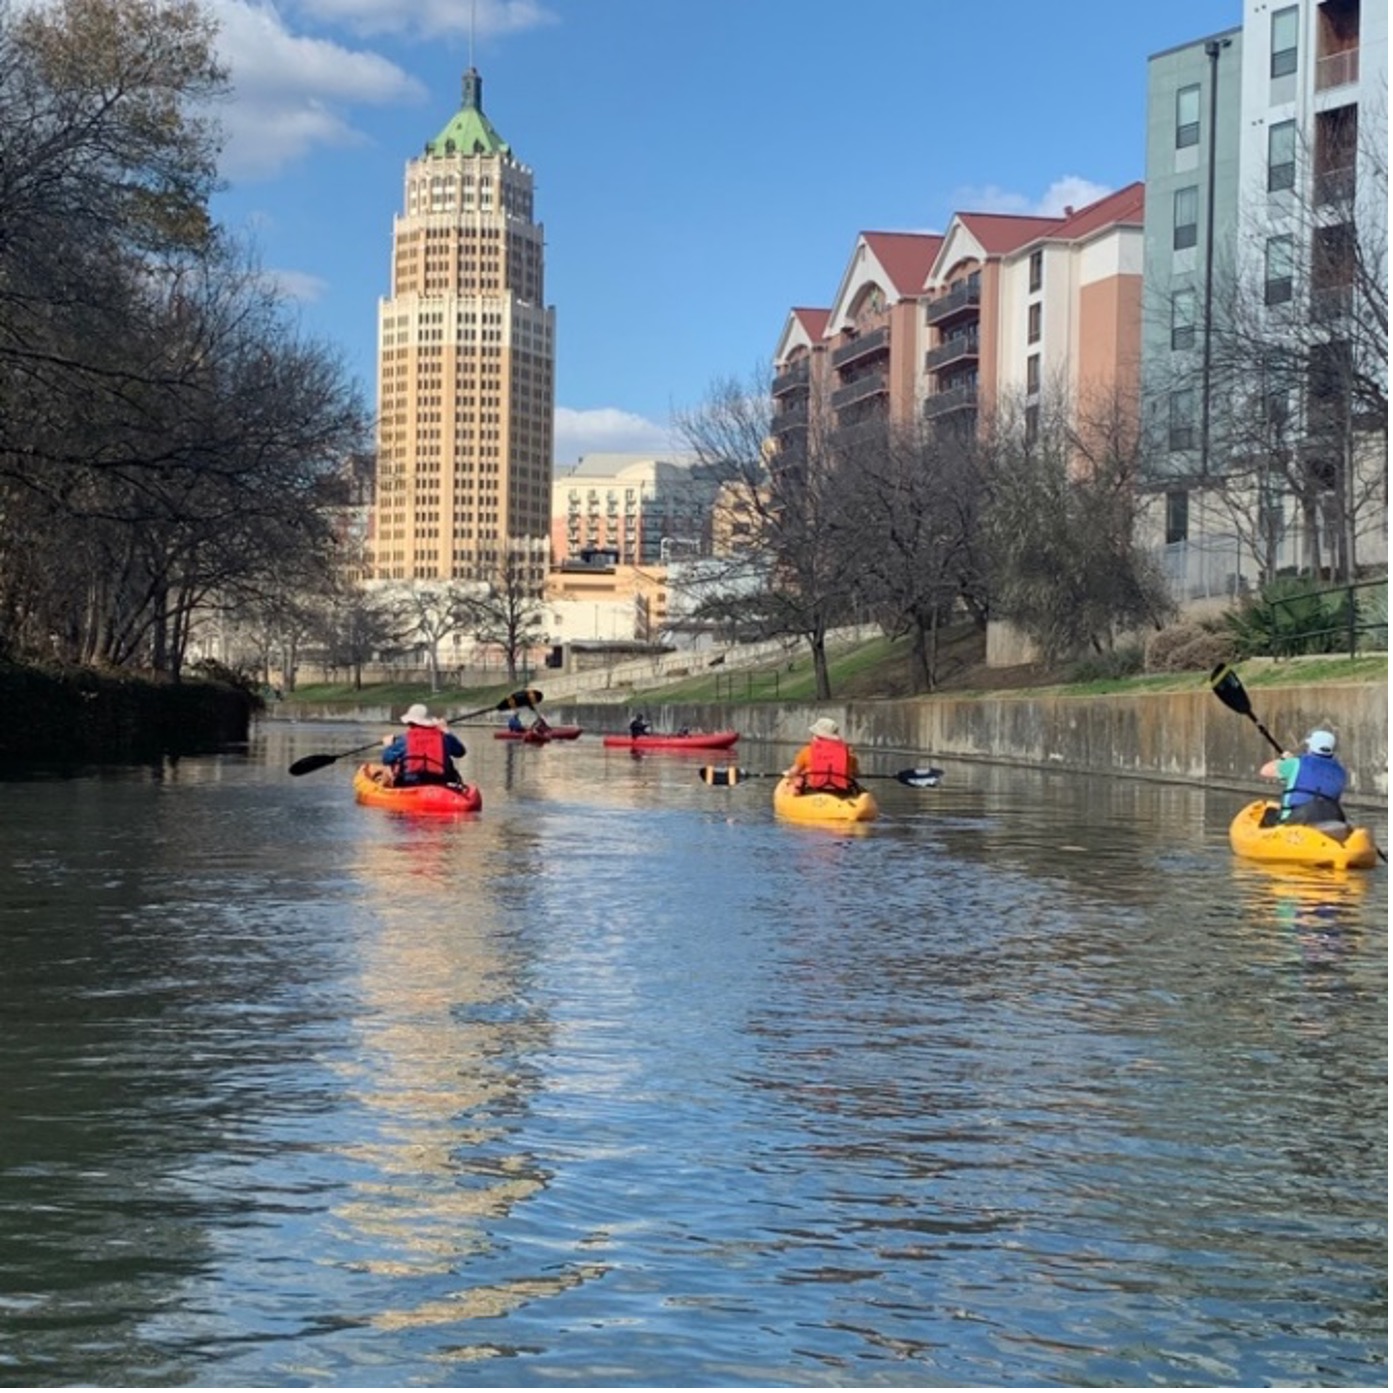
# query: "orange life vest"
426 761
829 766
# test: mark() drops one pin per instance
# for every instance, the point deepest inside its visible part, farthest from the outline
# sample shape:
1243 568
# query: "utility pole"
1212 49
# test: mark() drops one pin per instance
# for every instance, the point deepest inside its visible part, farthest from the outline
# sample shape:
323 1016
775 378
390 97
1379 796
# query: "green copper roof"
469 131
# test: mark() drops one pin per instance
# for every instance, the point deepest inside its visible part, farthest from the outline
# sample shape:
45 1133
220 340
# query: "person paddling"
1312 782
423 753
826 764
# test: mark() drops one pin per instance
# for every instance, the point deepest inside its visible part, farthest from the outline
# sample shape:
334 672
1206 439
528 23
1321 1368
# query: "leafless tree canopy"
169 442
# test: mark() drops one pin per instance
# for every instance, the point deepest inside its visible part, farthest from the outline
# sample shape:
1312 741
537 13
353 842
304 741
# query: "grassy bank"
877 670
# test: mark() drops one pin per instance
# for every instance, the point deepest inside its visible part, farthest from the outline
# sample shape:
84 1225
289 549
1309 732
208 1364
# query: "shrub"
1101 667
1189 647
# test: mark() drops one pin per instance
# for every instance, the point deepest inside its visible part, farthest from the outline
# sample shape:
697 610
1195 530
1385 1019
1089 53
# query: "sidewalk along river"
623 1082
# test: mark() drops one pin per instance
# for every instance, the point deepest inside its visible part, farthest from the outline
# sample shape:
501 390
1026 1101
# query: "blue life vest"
1318 776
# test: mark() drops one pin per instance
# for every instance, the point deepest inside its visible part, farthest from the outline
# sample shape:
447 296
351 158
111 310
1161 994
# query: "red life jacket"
829 766
426 761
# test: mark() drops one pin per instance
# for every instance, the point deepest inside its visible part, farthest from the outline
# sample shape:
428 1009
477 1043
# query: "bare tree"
1060 525
505 603
780 518
436 612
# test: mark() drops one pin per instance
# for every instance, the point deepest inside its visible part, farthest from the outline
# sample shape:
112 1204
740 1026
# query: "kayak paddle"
511 702
1231 692
726 778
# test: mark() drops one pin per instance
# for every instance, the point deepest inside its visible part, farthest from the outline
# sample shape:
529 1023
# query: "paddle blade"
1230 690
920 778
720 778
310 763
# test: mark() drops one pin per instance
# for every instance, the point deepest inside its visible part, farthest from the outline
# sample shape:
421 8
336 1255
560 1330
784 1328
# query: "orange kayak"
372 786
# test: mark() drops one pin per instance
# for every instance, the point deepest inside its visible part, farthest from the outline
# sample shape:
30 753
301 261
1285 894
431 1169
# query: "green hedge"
80 714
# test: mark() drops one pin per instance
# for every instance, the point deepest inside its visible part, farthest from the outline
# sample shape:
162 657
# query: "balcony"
863 346
873 384
952 350
792 418
1334 185
1337 69
941 404
964 298
794 378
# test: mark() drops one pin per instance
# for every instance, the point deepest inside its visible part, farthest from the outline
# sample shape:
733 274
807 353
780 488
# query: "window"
1032 424
1032 373
1284 41
1281 156
1183 319
1182 420
1187 117
1033 318
1278 263
1177 515
1037 269
1187 217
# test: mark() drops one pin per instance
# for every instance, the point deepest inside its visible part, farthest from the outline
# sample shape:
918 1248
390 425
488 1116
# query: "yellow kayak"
1326 845
823 807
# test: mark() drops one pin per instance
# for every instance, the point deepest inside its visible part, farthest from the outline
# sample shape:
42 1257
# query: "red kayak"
539 737
693 740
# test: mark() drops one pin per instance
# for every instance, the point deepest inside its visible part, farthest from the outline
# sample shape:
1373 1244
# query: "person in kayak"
826 764
423 753
515 723
1311 783
638 726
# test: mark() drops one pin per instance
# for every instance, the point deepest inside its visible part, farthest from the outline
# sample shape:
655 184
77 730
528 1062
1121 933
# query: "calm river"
623 1083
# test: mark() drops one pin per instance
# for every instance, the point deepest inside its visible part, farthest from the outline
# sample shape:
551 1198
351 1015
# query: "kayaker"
539 725
826 764
515 723
1311 782
423 753
638 726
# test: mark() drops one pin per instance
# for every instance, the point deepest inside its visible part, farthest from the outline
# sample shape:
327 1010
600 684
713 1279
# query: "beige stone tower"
466 365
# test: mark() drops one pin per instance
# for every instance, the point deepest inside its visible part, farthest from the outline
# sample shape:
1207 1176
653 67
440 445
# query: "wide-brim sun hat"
1321 742
417 715
824 726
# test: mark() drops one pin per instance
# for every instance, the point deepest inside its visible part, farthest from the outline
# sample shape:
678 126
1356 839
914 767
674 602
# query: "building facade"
466 365
1266 227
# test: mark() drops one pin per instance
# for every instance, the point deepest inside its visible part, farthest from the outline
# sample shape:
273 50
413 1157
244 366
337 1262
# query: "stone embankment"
1183 737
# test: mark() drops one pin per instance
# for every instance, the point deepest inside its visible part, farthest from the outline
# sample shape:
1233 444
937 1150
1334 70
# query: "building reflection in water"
443 1069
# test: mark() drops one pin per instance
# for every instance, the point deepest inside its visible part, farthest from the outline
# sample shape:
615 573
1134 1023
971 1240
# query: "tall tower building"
466 366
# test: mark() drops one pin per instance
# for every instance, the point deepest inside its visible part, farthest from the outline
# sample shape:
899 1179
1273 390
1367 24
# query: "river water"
624 1083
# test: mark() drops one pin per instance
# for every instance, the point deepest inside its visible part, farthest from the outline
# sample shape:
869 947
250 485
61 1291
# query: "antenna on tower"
473 12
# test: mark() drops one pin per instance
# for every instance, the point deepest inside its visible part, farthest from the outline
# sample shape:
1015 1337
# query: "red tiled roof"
814 322
1000 233
906 256
1124 206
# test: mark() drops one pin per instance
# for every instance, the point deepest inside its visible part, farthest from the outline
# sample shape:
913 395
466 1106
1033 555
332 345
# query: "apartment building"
649 510
854 365
466 364
1026 307
1267 181
939 327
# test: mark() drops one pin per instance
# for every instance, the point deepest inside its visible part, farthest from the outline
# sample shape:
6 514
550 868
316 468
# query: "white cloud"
431 18
297 285
1068 191
293 94
608 428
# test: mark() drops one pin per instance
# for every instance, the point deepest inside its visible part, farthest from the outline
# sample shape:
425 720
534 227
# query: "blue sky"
701 165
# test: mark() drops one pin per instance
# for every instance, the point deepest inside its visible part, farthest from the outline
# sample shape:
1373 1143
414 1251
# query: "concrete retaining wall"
1186 737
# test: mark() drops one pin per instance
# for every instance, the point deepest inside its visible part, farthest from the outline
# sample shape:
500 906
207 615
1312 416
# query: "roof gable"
888 261
803 328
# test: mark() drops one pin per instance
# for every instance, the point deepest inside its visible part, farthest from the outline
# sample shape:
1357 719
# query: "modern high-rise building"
1264 362
466 366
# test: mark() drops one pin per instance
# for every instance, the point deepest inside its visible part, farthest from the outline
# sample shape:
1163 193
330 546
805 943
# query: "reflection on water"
624 1082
